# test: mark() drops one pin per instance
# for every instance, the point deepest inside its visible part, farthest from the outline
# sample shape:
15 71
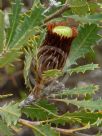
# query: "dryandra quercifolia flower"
56 46
54 50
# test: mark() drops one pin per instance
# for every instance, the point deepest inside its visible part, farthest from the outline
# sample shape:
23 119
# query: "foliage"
43 110
45 131
10 113
23 37
83 43
6 131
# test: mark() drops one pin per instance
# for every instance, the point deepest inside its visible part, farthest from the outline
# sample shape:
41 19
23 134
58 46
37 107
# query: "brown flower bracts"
56 46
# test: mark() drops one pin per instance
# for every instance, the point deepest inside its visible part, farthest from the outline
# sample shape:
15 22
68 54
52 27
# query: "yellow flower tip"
63 31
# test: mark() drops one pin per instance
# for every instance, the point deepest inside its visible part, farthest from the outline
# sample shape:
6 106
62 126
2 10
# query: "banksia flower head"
54 50
56 46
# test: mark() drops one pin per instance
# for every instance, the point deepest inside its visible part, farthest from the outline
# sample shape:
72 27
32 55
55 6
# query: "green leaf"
27 64
14 19
5 96
83 68
91 105
94 18
2 31
6 131
91 89
45 130
82 44
86 117
79 7
53 73
93 6
8 56
28 27
10 113
43 109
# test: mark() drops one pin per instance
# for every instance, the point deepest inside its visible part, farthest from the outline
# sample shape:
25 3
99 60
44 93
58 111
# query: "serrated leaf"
6 131
44 110
29 26
8 56
86 117
94 18
27 64
86 104
2 31
31 53
14 19
79 7
45 130
91 89
5 96
53 73
82 44
10 113
83 68
93 6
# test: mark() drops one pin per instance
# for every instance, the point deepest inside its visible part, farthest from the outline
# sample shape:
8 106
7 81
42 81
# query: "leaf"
53 73
27 64
86 117
8 56
79 7
2 31
45 130
82 44
5 96
10 113
83 68
31 53
44 110
91 105
14 19
91 89
93 6
28 27
6 131
94 18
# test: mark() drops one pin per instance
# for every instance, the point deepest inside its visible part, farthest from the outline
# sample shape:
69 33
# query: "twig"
32 124
58 12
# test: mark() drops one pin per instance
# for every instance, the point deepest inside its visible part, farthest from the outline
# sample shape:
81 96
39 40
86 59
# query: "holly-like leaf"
91 105
14 19
91 89
94 18
29 26
8 56
27 64
10 113
53 73
5 96
2 31
82 44
45 130
94 6
86 117
79 7
83 69
4 129
41 111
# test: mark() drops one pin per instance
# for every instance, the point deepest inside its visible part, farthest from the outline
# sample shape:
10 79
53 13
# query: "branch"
58 12
32 124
